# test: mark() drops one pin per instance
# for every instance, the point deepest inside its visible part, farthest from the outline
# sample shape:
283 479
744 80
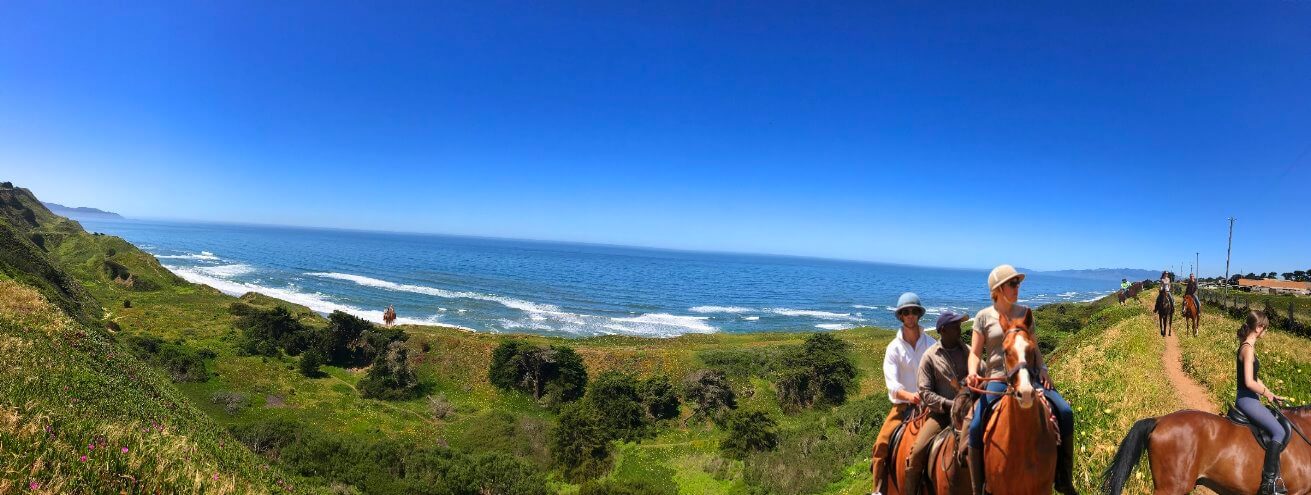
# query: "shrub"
709 393
266 331
658 397
748 432
554 375
390 377
579 444
267 437
819 373
310 361
615 393
181 363
127 303
440 406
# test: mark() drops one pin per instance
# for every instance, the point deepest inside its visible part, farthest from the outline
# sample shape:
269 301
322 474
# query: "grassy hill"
188 401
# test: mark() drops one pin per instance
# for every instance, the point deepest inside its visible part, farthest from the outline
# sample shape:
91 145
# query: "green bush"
181 363
268 331
658 397
310 361
816 452
748 432
709 393
232 402
391 377
616 394
554 375
820 373
580 446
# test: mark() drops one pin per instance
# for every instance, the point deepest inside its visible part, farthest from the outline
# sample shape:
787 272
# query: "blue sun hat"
909 300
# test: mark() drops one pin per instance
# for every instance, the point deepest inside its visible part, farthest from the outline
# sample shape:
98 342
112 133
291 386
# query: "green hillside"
201 383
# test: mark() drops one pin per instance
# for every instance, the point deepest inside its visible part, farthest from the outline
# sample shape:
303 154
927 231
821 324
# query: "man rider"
941 373
901 364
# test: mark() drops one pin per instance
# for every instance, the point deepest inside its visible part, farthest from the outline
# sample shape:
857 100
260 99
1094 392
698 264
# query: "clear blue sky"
1049 135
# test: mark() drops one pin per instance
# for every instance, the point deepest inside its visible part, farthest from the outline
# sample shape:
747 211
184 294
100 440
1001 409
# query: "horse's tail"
1127 456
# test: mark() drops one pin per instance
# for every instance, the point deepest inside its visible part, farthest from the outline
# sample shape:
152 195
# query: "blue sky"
1045 135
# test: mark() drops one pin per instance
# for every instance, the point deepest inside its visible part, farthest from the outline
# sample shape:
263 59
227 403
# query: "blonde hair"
1255 318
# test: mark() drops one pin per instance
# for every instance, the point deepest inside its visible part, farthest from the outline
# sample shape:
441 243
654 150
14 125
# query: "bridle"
1038 391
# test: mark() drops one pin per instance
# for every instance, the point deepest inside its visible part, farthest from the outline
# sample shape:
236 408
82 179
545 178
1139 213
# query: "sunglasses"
1013 283
905 312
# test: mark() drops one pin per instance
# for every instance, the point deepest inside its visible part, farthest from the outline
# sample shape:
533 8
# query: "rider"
987 337
1124 287
940 375
1250 389
901 363
1190 291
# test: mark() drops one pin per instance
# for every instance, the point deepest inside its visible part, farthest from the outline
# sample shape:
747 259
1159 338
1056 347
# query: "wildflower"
124 450
91 446
34 485
82 459
215 476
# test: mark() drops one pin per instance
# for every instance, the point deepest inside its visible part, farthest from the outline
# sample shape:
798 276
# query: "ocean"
562 289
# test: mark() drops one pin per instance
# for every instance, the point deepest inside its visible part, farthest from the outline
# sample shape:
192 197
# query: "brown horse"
1192 314
945 471
1190 448
1021 438
389 316
1164 310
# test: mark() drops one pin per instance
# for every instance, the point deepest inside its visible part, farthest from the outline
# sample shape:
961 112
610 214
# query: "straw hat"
1001 274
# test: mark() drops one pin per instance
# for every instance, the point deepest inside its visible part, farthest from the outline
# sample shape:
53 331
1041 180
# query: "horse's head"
1021 350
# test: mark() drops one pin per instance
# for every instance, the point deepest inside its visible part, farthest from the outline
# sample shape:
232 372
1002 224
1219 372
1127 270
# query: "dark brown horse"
1164 310
1192 314
1193 448
1021 438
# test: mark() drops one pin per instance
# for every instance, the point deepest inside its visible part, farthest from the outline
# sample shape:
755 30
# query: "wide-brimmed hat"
1001 274
908 300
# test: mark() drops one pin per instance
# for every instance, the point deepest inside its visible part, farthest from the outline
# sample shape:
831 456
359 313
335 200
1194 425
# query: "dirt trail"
1190 393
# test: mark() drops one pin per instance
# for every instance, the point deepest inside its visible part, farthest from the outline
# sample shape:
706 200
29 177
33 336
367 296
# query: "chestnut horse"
1164 310
946 472
389 315
1190 448
1020 442
1192 314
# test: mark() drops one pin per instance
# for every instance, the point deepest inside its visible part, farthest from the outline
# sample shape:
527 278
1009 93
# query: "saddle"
1237 417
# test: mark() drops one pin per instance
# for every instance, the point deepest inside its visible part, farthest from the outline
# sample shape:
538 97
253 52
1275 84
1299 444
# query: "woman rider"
1250 389
986 339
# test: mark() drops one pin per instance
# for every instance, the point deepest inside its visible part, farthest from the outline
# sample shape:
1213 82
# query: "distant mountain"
1115 274
80 211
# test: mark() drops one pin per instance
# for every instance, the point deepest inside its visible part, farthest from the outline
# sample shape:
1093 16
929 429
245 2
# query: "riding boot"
1271 483
1065 468
976 469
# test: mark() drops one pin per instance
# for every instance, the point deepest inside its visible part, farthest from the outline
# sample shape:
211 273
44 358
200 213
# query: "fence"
1291 313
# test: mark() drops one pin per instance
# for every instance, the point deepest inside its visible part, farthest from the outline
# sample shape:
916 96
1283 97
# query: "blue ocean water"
566 289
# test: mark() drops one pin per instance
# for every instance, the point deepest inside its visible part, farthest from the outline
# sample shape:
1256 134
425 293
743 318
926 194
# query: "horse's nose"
1025 398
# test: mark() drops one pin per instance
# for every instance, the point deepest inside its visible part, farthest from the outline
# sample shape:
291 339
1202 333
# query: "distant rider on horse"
986 340
1250 390
1124 289
1190 291
941 375
901 364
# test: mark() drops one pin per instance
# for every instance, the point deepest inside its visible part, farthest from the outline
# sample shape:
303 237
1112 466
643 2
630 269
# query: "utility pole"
1196 269
1230 249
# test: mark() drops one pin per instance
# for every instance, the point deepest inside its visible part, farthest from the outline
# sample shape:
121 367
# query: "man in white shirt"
901 364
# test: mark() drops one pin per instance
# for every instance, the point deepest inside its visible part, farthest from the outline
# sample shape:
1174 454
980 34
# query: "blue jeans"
1262 417
983 408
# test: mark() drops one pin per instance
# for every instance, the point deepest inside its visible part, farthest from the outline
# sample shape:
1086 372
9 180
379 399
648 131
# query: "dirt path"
1190 393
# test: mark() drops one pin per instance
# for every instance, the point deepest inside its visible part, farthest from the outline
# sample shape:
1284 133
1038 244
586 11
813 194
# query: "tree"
310 361
616 394
553 375
709 393
579 445
820 373
390 377
748 432
338 342
659 397
267 331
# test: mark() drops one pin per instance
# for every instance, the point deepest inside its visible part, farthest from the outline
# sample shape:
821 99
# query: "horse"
1123 296
389 316
1190 448
1021 437
1192 314
946 472
1164 310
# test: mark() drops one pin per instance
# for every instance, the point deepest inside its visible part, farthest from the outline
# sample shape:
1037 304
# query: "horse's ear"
1028 319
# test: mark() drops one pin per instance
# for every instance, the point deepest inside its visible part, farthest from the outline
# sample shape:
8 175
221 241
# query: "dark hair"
1163 274
1255 318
